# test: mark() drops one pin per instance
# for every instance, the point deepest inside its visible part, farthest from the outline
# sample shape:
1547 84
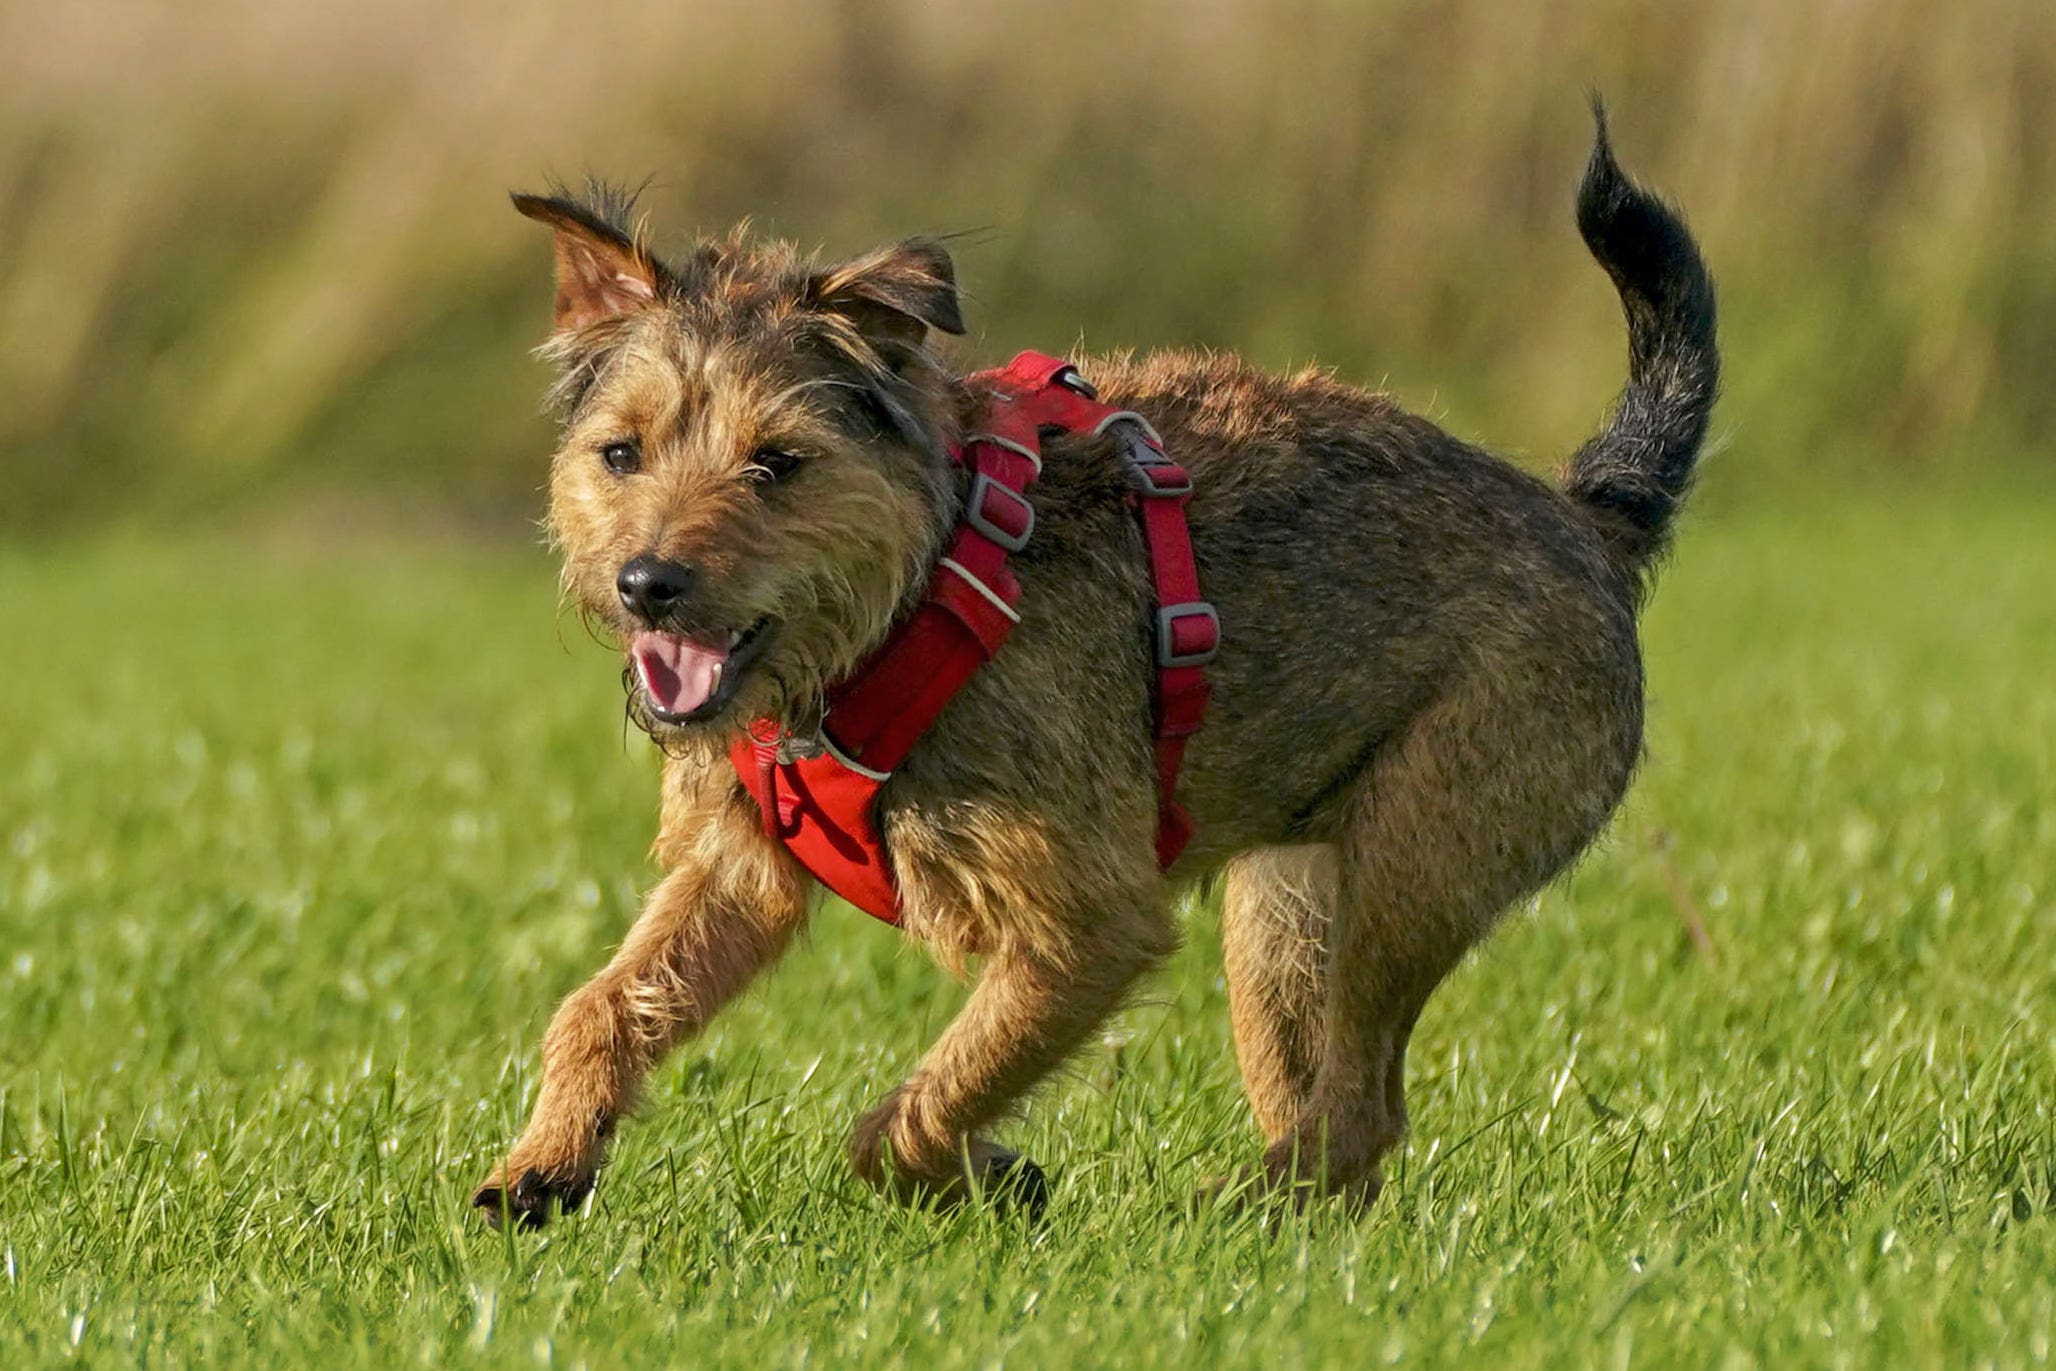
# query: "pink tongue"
679 674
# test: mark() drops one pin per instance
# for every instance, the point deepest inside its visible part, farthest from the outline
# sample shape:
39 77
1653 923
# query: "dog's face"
752 457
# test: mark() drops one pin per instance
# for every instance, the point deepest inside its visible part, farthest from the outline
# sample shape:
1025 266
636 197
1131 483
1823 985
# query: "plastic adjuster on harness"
1176 646
1160 480
1154 476
1003 515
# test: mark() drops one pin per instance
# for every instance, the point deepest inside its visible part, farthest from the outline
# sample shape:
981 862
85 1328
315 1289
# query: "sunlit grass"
298 847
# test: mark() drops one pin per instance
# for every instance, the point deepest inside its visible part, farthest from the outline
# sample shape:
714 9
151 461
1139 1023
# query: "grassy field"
298 845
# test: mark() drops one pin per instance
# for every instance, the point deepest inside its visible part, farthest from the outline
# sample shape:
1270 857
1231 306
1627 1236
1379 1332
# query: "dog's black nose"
652 587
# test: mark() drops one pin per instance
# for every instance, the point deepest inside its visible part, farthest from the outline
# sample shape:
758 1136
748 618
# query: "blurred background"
256 258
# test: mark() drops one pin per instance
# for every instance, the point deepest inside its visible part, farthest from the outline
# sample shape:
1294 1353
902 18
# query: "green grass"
297 849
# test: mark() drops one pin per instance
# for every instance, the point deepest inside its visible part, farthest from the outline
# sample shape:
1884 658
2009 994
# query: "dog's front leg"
727 909
1029 1011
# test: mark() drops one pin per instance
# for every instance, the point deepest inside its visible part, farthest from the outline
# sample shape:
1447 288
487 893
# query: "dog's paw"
531 1200
1012 1183
946 1174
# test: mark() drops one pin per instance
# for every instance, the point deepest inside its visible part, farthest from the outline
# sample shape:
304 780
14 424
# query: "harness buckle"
1154 476
1187 634
1008 523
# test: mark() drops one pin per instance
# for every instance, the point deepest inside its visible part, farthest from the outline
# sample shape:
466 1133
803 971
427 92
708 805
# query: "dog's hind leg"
1485 796
1277 904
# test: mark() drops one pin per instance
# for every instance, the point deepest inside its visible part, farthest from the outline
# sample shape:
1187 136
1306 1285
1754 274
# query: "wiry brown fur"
1427 703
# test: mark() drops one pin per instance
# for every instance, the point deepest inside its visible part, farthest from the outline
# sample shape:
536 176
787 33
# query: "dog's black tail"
1634 475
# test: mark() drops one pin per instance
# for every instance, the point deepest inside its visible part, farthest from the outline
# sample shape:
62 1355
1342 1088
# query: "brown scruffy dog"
1427 702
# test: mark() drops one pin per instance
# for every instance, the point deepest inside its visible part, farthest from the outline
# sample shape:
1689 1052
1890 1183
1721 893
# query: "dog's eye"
770 464
622 458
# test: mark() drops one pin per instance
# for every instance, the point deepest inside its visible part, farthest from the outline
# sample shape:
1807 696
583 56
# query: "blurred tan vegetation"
255 252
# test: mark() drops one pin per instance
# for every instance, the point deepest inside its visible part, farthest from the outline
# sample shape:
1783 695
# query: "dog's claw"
530 1201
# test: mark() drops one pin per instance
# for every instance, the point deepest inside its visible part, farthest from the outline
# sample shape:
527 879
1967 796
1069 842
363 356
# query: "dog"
1427 698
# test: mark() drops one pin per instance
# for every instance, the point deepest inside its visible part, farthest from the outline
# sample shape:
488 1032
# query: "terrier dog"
1427 698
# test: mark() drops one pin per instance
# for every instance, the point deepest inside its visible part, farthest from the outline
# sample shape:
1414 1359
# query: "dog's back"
1365 563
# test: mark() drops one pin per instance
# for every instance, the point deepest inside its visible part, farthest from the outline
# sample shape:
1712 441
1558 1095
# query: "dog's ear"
602 271
893 296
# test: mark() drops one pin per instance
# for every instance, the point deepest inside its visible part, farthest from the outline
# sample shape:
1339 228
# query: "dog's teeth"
734 637
715 689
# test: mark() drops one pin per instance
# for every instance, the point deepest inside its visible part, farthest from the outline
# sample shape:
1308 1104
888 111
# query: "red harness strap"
821 805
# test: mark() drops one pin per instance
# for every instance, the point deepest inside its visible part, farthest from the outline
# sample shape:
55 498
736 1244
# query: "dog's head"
753 455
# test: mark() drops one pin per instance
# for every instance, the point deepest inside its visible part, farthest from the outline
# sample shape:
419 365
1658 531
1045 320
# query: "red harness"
820 806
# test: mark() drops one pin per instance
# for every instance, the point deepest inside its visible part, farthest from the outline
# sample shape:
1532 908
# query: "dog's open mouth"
686 679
